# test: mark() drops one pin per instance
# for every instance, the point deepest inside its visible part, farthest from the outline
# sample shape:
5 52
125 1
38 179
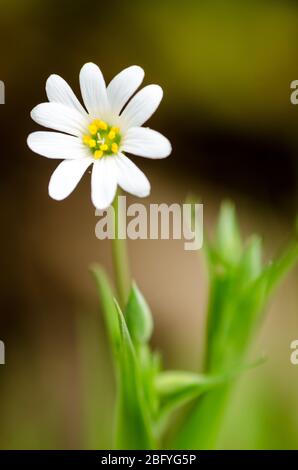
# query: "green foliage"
133 427
109 309
176 388
239 288
138 316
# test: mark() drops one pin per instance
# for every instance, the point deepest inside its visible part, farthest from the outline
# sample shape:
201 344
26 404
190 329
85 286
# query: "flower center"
102 139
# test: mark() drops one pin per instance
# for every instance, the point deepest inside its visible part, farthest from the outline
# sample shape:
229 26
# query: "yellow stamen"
114 147
101 138
92 143
98 154
101 124
92 129
111 135
86 139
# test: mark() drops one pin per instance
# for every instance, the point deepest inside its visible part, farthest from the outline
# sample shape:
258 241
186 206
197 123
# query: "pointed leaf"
138 316
228 239
133 426
106 296
176 388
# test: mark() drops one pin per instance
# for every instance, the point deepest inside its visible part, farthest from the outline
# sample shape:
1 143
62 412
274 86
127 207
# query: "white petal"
131 178
146 143
57 145
93 89
142 106
60 117
103 182
123 86
58 91
66 177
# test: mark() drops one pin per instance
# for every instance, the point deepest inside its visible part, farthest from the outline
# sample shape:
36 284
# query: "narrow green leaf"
133 423
106 296
138 316
140 325
280 267
199 431
239 290
250 264
175 388
228 239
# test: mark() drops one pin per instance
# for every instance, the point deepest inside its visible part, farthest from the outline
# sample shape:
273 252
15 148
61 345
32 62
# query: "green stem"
120 256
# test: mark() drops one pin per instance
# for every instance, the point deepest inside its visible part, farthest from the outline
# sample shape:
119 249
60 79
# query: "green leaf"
239 290
280 267
140 325
228 239
175 388
133 422
199 430
138 316
133 425
106 296
150 366
250 264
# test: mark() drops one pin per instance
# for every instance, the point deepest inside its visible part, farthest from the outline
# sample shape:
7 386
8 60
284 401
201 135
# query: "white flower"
100 135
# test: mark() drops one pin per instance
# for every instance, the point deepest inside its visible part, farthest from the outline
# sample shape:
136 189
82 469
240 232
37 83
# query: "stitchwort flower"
99 135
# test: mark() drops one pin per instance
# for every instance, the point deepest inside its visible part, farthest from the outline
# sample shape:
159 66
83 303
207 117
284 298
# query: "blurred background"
226 69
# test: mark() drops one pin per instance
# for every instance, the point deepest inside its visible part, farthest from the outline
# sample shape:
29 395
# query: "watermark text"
2 353
294 93
155 221
294 354
2 92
